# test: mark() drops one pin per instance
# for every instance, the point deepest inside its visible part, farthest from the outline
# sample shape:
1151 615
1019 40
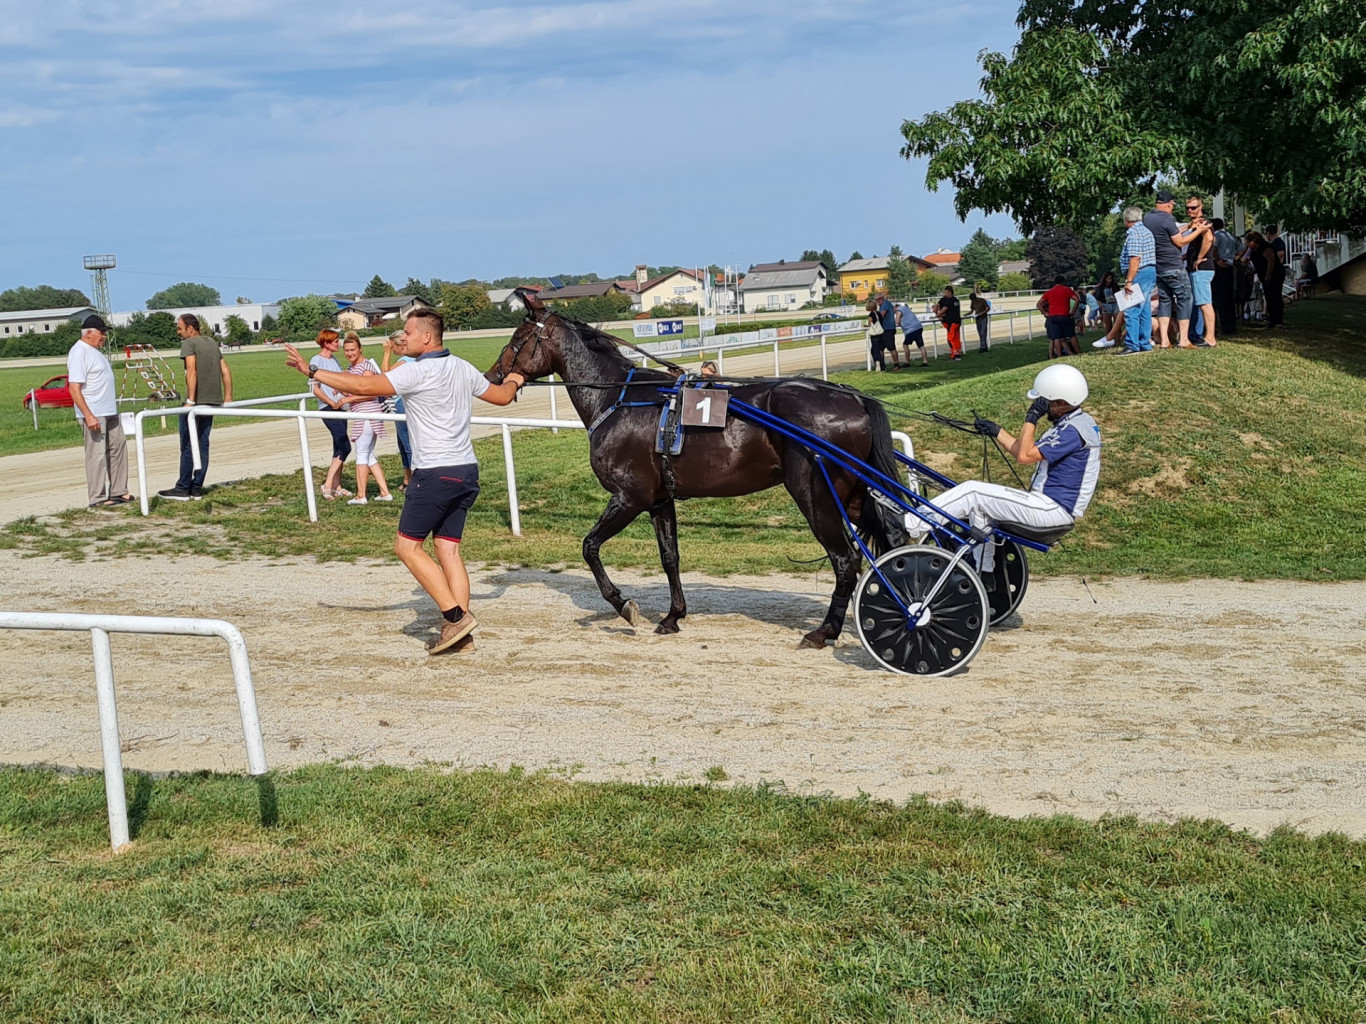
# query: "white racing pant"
982 505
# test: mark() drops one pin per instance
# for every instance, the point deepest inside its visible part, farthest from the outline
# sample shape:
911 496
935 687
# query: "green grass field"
1242 462
391 895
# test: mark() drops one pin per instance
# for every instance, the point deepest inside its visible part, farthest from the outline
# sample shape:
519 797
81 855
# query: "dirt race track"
1239 701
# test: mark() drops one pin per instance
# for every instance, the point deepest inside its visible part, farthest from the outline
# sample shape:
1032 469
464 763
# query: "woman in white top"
365 433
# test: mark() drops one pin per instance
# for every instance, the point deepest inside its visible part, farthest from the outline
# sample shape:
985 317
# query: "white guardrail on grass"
99 627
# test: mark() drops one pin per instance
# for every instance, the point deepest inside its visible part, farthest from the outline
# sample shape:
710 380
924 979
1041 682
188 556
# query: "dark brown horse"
740 458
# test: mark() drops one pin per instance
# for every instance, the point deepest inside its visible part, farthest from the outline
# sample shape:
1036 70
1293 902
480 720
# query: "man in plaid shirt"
1138 260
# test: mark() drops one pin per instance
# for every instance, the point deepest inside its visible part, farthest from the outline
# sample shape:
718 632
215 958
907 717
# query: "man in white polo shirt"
436 389
91 380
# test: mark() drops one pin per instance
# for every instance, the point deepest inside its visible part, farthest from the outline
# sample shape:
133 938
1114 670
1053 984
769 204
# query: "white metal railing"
139 434
99 627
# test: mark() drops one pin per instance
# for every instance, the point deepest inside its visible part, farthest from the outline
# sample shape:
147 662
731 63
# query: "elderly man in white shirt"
91 380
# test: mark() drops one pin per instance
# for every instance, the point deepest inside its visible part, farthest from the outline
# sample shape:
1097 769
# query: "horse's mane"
596 340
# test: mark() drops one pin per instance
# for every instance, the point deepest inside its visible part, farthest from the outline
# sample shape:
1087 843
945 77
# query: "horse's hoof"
666 628
812 642
630 611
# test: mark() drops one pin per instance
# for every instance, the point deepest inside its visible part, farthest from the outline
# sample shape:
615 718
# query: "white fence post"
99 627
116 797
554 412
776 371
825 363
514 513
33 404
308 463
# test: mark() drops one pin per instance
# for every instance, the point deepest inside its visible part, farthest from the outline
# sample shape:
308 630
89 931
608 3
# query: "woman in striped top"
366 433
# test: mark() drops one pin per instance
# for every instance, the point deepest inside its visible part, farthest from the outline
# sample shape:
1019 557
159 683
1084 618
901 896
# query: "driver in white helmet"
1068 457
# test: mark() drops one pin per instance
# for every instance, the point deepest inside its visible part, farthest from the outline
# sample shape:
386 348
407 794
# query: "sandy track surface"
1238 701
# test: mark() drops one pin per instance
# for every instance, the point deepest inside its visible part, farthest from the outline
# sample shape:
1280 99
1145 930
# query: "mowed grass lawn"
1241 462
390 895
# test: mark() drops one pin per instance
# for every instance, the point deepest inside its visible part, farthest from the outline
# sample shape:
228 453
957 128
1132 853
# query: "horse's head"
532 346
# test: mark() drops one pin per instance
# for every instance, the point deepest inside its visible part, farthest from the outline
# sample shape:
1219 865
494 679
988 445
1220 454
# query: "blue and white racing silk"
1071 462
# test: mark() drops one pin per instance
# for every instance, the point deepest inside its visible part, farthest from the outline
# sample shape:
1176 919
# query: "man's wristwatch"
312 372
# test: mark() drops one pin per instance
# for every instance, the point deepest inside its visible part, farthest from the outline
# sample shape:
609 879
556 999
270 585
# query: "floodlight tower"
99 264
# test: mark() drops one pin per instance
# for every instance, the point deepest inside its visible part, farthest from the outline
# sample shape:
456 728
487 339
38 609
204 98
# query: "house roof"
655 281
786 277
784 265
943 258
862 266
65 312
1013 267
586 291
386 304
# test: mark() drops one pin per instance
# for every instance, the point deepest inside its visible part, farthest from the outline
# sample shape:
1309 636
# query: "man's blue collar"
439 353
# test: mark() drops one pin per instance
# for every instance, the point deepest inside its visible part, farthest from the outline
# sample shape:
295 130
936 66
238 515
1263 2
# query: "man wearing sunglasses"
1173 282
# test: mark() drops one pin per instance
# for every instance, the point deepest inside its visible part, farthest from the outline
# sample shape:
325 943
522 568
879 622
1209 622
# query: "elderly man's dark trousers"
1225 311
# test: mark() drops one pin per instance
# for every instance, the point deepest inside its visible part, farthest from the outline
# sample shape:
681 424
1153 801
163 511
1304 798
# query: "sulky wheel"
1006 583
945 634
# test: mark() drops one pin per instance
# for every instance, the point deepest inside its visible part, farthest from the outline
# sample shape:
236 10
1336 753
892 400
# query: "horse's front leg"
665 519
615 517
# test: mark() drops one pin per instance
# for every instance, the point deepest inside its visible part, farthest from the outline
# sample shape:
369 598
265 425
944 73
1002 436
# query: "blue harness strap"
620 403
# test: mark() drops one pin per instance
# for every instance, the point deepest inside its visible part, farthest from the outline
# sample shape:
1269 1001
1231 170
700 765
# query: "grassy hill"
1244 461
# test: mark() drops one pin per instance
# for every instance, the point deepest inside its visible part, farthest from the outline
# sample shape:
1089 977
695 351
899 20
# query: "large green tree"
1056 252
44 296
462 304
900 274
186 293
1264 99
304 314
378 288
415 287
980 260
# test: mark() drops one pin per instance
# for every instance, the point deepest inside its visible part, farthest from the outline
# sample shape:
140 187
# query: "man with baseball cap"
91 381
1173 282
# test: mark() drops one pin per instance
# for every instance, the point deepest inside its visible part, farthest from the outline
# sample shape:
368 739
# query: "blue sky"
276 148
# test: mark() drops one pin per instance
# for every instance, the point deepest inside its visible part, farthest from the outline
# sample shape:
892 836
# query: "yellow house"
860 278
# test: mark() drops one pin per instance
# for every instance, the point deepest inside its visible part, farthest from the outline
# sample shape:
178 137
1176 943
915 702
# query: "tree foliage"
238 330
378 288
415 287
1266 100
43 296
156 328
1056 252
461 303
186 293
980 260
305 314
900 274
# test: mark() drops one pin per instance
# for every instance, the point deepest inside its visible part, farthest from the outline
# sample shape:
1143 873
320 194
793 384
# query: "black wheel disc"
1007 581
946 634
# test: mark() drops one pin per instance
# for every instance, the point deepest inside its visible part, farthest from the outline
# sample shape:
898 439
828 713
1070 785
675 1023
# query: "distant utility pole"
99 264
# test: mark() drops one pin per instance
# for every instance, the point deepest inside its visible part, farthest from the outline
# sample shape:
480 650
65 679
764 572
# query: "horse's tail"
881 524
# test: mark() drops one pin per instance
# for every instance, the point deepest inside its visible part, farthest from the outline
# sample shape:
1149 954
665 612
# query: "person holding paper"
1138 258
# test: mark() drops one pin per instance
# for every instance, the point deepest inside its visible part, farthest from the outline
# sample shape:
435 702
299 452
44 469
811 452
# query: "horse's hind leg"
813 497
665 519
615 517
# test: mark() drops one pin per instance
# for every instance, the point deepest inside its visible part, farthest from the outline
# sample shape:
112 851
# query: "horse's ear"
533 303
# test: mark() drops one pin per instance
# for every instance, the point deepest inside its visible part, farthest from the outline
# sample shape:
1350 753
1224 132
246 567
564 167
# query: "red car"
55 394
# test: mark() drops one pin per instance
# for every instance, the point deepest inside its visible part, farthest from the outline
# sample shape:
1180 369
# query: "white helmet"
1060 381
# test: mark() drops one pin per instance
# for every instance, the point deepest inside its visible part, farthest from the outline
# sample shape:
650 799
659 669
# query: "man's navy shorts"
1060 327
437 502
915 337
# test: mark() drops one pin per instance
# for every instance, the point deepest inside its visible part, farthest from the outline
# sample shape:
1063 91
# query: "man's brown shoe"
452 633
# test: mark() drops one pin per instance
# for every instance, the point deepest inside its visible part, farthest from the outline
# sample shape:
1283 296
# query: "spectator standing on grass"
981 316
1107 293
90 379
1273 285
949 311
437 389
1058 305
328 398
1255 255
208 381
365 434
1200 255
1173 282
881 337
393 345
1224 287
912 332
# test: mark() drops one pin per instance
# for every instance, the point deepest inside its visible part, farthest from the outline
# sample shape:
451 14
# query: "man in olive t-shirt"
207 382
